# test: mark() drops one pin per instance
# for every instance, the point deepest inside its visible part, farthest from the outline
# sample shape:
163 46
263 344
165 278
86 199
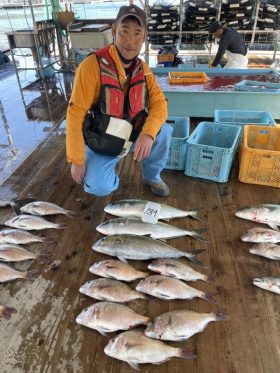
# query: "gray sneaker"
159 189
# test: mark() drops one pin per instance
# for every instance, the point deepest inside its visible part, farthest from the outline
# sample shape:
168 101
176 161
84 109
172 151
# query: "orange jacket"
85 93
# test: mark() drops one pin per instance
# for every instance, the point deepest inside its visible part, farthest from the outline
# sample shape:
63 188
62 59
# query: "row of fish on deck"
11 239
127 239
264 238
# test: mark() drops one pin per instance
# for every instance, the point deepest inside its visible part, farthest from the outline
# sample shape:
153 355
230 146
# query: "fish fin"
7 311
195 214
122 259
166 219
164 296
197 234
102 332
193 258
220 315
209 297
134 365
212 278
31 275
186 353
273 226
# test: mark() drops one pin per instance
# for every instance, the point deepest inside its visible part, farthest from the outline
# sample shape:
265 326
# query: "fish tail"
209 297
146 320
193 258
31 275
186 353
61 226
7 311
197 234
220 315
211 278
196 214
143 296
145 274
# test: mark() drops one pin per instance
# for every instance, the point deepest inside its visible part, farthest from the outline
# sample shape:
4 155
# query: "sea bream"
111 290
135 208
268 283
8 273
129 246
265 213
117 270
42 208
258 235
179 269
170 288
107 317
16 253
181 325
135 348
138 227
18 236
6 311
267 250
30 222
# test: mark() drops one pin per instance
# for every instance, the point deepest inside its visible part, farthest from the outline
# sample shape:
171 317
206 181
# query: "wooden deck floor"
44 337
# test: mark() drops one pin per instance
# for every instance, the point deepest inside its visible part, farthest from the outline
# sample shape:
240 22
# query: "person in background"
232 44
128 112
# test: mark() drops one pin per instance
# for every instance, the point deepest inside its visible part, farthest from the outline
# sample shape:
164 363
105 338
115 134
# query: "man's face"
218 34
129 37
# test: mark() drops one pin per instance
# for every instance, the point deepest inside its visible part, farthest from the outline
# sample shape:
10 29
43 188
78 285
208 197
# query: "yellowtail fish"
140 228
136 207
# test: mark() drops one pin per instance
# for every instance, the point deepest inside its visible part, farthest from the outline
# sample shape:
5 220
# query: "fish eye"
106 222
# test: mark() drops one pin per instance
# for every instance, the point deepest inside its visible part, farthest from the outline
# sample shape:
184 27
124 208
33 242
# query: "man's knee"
99 189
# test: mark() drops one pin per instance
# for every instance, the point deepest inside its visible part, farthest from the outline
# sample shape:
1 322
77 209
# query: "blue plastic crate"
242 117
210 151
177 150
257 86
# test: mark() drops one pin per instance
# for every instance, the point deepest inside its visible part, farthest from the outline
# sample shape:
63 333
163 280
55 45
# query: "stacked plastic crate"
237 13
198 17
163 18
269 15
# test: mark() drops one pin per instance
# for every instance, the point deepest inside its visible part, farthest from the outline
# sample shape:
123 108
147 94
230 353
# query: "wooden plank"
44 337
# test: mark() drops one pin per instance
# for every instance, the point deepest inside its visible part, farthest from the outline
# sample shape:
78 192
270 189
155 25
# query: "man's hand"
78 172
143 147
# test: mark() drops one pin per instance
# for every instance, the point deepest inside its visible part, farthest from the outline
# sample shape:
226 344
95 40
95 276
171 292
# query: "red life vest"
99 133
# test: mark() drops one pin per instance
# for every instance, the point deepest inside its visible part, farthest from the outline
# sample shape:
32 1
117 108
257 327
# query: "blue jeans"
101 178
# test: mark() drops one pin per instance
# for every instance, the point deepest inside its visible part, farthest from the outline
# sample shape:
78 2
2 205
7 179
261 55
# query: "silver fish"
17 236
110 317
117 270
111 290
138 227
268 283
7 202
181 325
265 213
268 250
45 208
179 269
135 208
6 311
16 253
170 288
8 274
29 223
259 235
135 348
15 201
128 246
